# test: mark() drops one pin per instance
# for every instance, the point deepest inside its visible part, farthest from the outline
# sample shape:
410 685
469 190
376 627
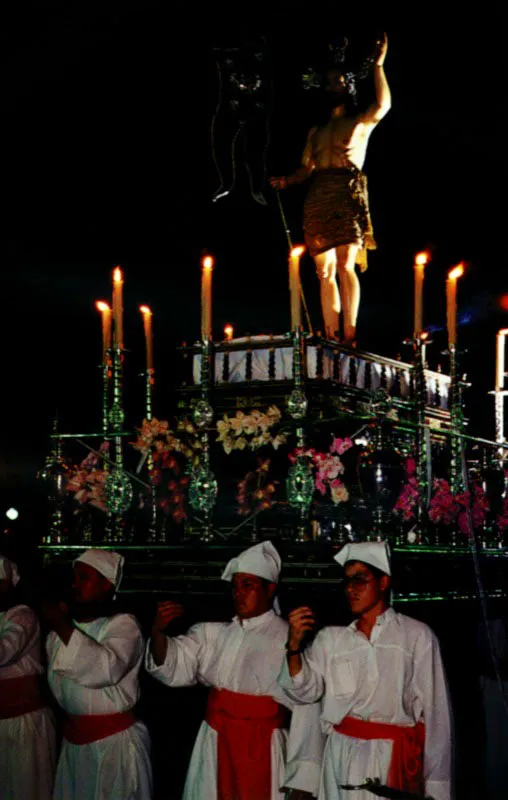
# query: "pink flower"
341 446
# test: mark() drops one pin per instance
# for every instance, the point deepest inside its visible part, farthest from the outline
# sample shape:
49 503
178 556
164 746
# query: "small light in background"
12 514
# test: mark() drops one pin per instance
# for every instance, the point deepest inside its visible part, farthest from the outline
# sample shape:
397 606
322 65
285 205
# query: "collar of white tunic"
255 622
384 619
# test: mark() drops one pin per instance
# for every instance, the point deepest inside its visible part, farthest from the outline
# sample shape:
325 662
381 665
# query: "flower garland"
250 430
327 467
87 481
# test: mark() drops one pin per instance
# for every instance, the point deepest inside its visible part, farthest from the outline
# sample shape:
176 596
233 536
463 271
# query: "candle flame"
424 336
228 331
456 272
146 311
503 332
102 306
117 275
422 259
298 251
207 262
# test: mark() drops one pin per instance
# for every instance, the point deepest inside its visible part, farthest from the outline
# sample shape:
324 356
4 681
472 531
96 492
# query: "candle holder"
419 345
456 424
55 476
118 488
203 486
300 480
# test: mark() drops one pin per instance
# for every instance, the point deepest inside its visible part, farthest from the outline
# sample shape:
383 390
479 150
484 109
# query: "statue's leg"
330 298
349 289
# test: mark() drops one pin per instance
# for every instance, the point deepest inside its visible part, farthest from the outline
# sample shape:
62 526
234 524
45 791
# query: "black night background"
107 160
106 121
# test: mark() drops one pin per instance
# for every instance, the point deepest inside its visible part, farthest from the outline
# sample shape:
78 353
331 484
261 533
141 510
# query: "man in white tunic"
242 751
94 661
27 727
385 701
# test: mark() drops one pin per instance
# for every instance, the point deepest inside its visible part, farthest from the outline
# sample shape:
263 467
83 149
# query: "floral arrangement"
255 492
251 431
87 480
408 498
171 456
327 468
448 508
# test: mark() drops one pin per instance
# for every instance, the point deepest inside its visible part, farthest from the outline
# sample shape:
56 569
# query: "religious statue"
337 224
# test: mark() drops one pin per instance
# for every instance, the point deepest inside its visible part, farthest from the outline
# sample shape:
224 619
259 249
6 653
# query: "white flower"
250 425
339 494
278 440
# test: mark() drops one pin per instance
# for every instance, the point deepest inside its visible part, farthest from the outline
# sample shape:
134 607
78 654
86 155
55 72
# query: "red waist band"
406 764
88 728
244 724
20 696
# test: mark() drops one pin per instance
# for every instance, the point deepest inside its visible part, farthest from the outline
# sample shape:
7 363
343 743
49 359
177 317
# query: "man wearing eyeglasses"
385 705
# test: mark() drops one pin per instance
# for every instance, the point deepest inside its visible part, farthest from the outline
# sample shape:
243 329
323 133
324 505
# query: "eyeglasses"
355 582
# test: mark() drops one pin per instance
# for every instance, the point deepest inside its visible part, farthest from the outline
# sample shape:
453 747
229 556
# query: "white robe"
243 657
97 673
397 678
27 742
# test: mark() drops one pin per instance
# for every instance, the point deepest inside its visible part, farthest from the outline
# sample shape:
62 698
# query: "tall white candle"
118 306
294 286
451 302
500 359
420 261
147 325
207 265
106 328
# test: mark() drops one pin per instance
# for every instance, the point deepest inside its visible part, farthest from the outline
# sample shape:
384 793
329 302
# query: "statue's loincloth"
336 212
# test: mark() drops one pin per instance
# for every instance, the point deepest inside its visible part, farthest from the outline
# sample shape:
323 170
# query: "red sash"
406 765
87 728
20 696
244 723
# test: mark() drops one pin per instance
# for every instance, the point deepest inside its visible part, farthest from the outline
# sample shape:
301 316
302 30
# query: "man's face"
363 590
89 586
336 85
252 597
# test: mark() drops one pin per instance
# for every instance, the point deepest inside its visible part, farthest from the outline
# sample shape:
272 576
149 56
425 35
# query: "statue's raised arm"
383 100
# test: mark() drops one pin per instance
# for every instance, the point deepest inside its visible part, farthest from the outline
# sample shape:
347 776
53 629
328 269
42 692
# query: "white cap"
106 562
8 571
377 554
262 560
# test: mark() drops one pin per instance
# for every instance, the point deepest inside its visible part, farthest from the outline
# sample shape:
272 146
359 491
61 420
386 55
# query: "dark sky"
106 159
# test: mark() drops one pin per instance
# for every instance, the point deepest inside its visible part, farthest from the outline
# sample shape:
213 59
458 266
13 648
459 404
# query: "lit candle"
451 302
228 333
147 324
118 305
294 286
106 328
420 261
500 359
206 298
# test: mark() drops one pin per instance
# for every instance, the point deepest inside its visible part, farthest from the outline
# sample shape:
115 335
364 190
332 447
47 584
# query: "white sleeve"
433 690
16 634
183 655
305 749
308 685
99 664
